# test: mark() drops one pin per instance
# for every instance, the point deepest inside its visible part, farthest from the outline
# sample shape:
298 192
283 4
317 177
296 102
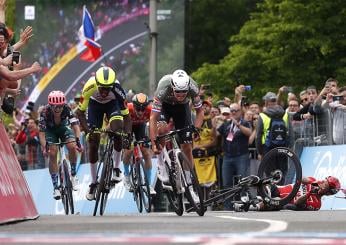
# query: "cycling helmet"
56 98
180 81
334 185
140 101
105 77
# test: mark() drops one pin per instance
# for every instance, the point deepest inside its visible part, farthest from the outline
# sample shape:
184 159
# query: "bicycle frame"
173 165
64 177
139 180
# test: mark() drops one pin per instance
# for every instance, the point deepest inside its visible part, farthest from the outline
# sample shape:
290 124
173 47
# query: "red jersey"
313 202
136 118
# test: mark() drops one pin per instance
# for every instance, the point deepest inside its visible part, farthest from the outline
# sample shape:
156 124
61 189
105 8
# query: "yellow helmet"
105 77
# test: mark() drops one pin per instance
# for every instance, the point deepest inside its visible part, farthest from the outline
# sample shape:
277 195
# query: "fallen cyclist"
308 197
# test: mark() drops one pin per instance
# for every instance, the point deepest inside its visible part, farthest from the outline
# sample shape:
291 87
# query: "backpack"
277 133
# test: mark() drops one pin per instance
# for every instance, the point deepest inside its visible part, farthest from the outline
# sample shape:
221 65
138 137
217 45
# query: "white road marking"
274 225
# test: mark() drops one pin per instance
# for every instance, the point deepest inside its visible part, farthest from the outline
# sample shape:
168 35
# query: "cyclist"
171 100
139 110
308 197
103 95
54 125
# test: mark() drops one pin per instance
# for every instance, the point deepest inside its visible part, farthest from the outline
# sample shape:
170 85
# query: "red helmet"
56 98
334 185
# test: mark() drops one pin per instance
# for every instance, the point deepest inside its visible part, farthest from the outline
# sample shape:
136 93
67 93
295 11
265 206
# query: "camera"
15 56
247 87
337 97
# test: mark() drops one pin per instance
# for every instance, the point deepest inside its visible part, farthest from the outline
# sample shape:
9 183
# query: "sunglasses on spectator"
305 99
180 91
233 110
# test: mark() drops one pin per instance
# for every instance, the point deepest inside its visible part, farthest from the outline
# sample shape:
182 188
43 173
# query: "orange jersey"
136 118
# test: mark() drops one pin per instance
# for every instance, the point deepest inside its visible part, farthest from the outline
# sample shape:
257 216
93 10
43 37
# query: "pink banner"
16 202
125 18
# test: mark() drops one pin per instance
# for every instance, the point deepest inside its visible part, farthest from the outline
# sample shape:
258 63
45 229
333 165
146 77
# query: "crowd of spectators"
315 117
69 21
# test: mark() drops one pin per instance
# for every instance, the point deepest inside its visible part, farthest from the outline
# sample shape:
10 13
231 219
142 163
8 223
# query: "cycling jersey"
313 202
113 105
91 92
47 118
53 131
137 119
164 94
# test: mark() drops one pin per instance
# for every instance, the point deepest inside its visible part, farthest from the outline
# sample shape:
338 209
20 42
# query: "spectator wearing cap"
235 133
271 110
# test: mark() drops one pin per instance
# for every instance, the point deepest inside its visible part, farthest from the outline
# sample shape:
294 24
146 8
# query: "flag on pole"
87 36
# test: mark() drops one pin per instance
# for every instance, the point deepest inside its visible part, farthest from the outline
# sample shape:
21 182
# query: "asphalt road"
283 227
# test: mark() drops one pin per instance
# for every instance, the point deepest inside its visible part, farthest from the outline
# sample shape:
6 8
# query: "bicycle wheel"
193 191
100 185
280 166
175 199
144 186
135 178
107 183
68 188
63 189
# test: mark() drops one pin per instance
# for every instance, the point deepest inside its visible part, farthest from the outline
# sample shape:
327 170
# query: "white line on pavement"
274 225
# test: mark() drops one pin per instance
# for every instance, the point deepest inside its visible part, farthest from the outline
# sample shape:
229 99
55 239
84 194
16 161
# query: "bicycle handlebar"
174 132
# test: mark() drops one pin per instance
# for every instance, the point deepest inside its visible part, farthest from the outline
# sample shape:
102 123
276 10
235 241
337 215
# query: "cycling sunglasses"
180 91
105 88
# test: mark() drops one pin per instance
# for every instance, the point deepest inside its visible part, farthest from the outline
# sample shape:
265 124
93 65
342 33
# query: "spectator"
269 134
272 111
29 136
235 134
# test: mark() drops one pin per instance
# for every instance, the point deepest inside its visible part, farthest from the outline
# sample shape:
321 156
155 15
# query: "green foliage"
209 24
286 42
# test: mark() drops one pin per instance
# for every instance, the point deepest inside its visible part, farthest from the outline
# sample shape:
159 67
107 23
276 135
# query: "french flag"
87 36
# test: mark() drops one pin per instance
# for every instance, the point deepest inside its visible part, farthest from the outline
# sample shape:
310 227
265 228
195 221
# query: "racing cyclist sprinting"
54 125
171 100
103 95
139 110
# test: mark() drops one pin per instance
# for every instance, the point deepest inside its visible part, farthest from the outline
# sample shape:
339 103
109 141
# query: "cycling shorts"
181 115
139 130
96 112
62 133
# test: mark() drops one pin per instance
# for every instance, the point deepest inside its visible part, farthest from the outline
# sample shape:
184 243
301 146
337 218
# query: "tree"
209 24
291 42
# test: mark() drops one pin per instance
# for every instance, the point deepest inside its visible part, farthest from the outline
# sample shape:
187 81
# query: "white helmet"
180 80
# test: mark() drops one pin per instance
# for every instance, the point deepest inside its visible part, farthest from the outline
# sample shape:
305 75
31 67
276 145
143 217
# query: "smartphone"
337 98
247 87
15 56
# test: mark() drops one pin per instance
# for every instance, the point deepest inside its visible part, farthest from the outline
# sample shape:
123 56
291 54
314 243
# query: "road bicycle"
182 175
65 183
105 170
279 166
140 185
